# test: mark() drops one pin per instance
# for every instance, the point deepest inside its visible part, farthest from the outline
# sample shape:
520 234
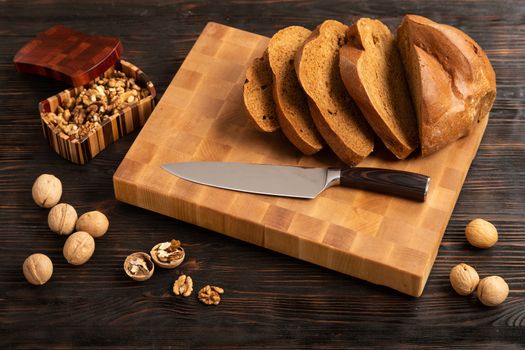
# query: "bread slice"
334 113
451 80
290 100
258 98
373 74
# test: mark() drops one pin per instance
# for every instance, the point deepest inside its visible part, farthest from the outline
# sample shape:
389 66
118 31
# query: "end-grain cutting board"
384 240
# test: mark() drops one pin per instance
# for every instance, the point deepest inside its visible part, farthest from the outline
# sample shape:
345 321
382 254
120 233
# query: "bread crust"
293 115
351 151
452 82
355 68
290 131
257 95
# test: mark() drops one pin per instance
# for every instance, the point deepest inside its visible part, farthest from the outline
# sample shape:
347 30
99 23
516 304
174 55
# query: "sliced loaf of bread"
451 80
290 100
373 74
258 98
334 113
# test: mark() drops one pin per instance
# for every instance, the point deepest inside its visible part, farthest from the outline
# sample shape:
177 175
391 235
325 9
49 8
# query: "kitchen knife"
299 182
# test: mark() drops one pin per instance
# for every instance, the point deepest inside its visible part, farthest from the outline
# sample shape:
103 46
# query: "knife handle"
395 182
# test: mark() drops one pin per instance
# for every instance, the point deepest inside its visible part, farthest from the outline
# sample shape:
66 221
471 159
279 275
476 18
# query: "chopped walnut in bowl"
106 96
81 122
168 254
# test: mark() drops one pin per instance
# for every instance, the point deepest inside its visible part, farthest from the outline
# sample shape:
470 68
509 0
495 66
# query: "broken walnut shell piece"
168 255
139 266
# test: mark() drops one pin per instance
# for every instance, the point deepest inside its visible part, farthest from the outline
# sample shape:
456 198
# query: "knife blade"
299 182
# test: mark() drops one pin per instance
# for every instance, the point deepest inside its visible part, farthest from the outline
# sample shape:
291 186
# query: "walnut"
481 233
139 266
210 295
183 286
37 269
168 254
464 279
94 222
79 248
95 104
47 190
62 218
492 290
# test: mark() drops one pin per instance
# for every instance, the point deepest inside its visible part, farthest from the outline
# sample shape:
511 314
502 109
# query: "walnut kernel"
481 233
183 286
37 269
47 190
62 218
79 248
492 290
210 295
94 222
464 279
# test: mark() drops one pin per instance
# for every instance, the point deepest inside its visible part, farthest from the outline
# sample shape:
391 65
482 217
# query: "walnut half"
168 254
210 295
139 266
183 286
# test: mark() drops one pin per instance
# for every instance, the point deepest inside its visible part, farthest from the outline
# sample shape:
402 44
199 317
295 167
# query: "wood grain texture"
400 183
383 239
65 54
271 300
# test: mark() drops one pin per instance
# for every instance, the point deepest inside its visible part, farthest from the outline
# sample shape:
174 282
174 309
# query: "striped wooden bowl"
129 119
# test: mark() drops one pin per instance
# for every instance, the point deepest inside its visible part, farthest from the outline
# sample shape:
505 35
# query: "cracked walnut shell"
139 266
37 269
464 279
79 248
492 290
183 286
481 233
62 218
46 191
168 255
210 295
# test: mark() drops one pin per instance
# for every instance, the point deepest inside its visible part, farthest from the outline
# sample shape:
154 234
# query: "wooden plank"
386 240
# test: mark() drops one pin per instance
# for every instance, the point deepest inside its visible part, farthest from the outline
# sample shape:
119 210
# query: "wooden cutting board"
385 240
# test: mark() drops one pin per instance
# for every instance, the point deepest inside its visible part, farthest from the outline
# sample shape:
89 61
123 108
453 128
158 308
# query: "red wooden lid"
64 54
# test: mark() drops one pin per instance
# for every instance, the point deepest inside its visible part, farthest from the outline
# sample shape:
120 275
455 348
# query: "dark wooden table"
271 300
